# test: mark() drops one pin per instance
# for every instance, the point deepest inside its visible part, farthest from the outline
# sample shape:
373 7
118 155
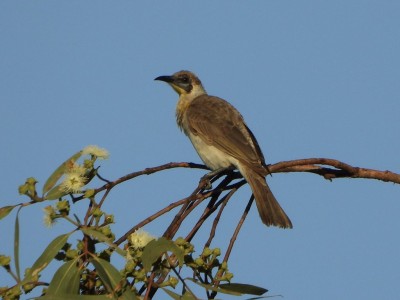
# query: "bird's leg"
267 168
207 177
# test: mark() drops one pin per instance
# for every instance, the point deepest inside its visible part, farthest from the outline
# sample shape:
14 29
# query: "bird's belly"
213 157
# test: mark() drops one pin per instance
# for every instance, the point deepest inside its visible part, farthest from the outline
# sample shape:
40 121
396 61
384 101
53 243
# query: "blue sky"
311 78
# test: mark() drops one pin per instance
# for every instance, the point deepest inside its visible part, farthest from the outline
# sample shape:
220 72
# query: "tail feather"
271 213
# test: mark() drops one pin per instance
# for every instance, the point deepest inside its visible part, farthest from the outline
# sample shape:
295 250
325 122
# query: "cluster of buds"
29 189
52 213
137 241
74 176
208 262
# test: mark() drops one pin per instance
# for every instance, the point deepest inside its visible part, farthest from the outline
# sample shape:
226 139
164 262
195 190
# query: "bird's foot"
206 179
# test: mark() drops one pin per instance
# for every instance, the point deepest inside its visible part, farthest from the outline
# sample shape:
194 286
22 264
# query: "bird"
222 139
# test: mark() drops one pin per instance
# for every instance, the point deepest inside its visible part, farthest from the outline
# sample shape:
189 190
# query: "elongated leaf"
65 280
108 273
48 254
186 296
172 294
4 211
75 297
243 288
156 248
16 245
52 180
111 277
55 193
214 289
189 296
103 238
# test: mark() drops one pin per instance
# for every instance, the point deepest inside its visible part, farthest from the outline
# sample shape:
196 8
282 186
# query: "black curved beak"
167 79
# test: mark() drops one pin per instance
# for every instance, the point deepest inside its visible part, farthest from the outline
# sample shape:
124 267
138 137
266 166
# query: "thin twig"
238 227
232 242
224 202
146 171
152 218
99 205
171 263
212 205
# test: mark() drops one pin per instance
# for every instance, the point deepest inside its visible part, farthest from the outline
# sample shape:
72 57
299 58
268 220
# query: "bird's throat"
181 108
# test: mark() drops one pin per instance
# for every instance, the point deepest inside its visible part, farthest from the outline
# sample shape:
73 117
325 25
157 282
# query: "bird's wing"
219 124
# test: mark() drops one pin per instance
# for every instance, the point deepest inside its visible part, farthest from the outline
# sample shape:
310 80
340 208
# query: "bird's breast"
211 156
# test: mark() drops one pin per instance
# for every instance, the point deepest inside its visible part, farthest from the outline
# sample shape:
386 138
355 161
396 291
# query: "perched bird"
222 139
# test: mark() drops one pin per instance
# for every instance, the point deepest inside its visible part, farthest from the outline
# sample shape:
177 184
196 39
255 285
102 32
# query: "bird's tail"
271 213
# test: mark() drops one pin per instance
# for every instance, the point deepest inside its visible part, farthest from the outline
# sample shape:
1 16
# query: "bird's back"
219 124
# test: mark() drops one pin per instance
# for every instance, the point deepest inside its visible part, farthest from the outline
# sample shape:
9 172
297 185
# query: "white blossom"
95 151
140 238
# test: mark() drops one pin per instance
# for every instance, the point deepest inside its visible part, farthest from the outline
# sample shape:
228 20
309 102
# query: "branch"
336 169
219 196
339 170
110 184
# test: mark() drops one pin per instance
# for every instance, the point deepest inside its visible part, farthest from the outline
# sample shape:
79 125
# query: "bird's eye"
185 79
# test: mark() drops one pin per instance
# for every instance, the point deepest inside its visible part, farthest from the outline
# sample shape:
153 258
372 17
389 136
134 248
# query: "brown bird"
222 139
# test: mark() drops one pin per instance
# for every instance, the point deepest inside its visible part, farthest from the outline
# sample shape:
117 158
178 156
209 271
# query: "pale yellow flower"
49 216
95 151
73 182
140 238
128 255
76 169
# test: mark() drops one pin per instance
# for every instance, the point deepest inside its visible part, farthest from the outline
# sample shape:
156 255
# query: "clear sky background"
311 78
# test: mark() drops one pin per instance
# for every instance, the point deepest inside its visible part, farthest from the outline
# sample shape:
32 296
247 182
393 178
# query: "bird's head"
184 83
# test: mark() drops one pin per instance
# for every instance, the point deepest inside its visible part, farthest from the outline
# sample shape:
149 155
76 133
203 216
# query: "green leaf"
103 238
16 245
214 288
233 288
244 288
74 297
108 273
52 180
172 294
65 280
156 248
4 211
189 296
186 296
55 193
110 277
48 255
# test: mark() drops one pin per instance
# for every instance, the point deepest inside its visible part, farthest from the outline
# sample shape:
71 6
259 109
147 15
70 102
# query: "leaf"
55 193
16 245
110 277
156 248
214 288
74 297
172 294
108 273
186 296
189 296
103 238
233 288
52 180
48 254
65 280
243 288
4 211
